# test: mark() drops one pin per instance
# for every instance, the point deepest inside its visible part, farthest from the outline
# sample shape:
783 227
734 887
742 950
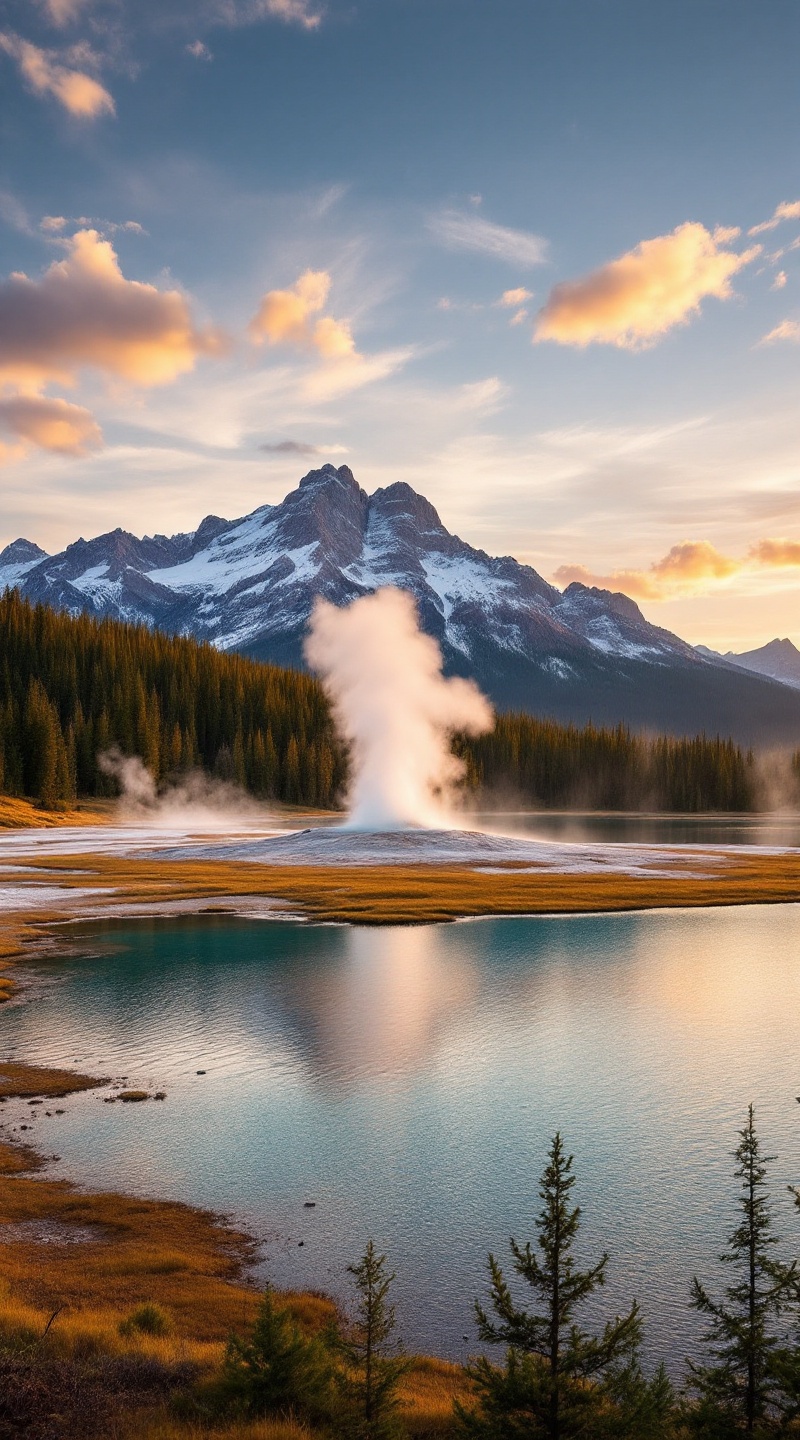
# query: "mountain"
249 585
780 660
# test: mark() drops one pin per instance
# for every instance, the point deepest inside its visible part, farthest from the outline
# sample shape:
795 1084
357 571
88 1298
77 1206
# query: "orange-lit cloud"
83 312
787 210
45 74
50 424
637 298
288 317
779 553
693 567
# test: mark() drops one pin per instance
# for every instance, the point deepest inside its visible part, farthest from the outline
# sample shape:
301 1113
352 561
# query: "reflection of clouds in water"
385 1006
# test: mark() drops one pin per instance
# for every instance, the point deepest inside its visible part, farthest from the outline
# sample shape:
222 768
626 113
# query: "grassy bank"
17 813
77 1268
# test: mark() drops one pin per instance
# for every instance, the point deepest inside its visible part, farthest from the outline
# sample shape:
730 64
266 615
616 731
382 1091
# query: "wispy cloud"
634 300
787 210
198 50
46 75
248 12
786 330
462 230
63 12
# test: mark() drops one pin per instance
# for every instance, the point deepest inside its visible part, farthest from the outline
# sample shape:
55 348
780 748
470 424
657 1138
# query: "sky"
539 258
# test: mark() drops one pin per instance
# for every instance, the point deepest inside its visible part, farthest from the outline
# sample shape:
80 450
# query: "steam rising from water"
394 708
195 800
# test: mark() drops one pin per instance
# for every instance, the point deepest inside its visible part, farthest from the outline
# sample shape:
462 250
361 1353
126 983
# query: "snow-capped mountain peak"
249 584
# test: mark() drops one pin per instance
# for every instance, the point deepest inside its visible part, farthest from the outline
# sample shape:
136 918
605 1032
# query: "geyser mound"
394 709
338 845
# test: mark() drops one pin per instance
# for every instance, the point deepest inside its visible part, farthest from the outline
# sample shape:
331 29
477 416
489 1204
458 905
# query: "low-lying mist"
196 799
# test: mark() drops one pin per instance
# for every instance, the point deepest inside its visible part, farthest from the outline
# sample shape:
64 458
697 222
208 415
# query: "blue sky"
426 165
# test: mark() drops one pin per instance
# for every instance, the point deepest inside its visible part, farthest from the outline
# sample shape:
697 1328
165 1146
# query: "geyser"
393 708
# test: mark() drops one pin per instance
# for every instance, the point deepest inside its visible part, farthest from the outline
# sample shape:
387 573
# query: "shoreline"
76 1264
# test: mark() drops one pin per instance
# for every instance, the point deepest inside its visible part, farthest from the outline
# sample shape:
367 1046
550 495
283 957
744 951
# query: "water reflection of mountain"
339 1006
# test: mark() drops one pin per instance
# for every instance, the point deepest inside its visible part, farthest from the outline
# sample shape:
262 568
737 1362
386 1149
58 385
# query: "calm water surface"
408 1080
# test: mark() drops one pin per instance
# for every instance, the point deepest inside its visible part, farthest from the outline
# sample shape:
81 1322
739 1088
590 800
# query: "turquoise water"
407 1080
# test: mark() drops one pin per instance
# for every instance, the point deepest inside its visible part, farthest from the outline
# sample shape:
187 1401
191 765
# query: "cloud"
290 447
83 312
247 12
787 330
458 230
515 298
50 424
691 568
286 317
787 210
779 281
634 300
79 93
199 51
329 382
485 396
53 224
783 554
63 12
14 214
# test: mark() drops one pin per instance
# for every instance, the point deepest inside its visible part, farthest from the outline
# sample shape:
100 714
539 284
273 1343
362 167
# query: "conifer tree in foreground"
740 1389
558 1380
372 1359
278 1370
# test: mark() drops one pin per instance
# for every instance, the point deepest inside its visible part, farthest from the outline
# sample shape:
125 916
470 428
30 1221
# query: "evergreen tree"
558 1380
740 1389
373 1362
278 1370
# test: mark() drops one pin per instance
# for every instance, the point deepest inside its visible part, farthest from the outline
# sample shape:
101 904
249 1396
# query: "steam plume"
196 799
393 707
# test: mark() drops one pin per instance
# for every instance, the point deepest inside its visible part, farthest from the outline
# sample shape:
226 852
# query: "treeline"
71 688
560 766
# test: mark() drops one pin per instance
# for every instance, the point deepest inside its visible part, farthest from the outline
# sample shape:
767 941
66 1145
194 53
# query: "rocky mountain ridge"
249 585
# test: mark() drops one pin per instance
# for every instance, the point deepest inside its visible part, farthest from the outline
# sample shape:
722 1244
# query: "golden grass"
167 1429
20 1082
187 1261
397 894
411 893
16 813
428 1391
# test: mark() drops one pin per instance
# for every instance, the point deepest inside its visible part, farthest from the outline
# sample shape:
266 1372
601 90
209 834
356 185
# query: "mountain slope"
249 585
780 660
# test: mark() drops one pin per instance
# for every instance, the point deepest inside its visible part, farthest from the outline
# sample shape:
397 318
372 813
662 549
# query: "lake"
407 1080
